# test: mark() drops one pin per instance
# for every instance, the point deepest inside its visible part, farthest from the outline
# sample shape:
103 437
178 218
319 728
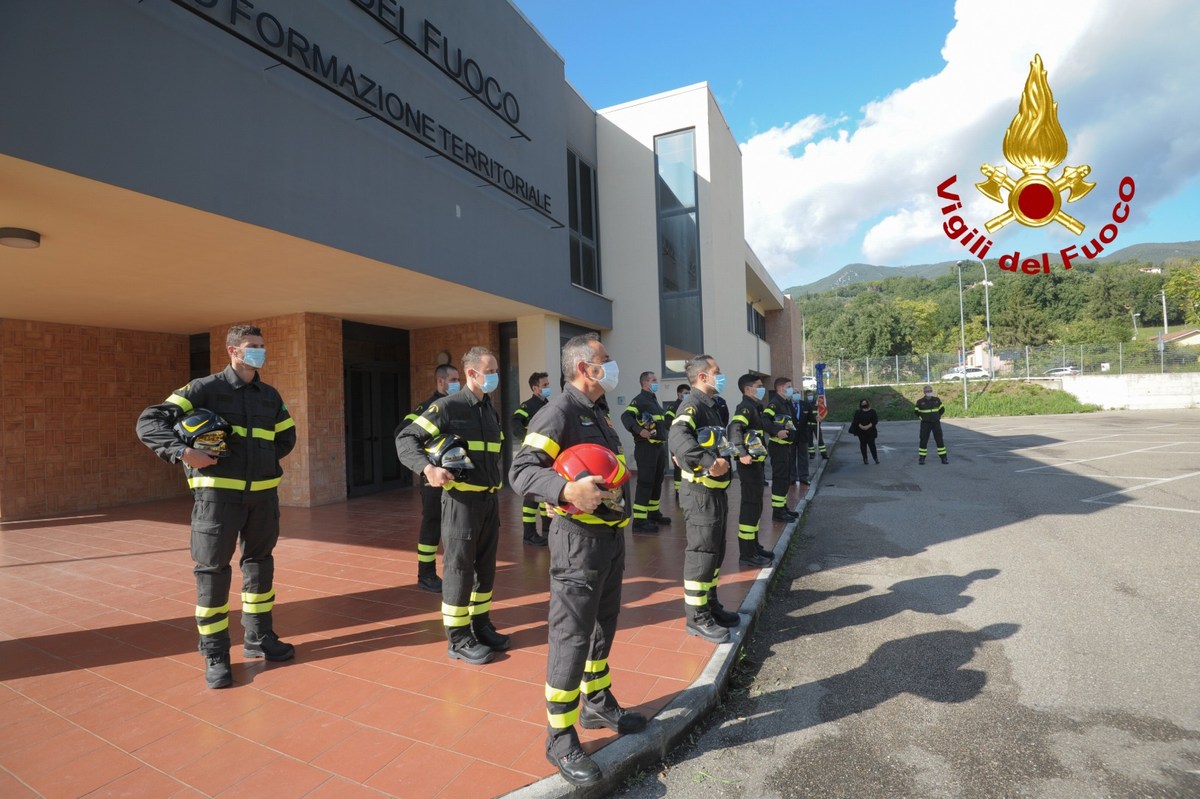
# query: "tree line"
1089 304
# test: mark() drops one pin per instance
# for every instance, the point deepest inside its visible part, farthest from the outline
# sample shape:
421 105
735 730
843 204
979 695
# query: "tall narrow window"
678 249
585 248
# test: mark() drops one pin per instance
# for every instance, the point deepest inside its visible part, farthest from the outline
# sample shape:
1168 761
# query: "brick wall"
783 334
304 363
424 345
69 400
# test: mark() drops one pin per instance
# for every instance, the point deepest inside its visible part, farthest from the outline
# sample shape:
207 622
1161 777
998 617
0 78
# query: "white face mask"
608 381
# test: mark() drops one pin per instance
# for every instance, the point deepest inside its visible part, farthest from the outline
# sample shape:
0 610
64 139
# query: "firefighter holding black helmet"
645 420
470 511
539 385
745 435
229 430
587 556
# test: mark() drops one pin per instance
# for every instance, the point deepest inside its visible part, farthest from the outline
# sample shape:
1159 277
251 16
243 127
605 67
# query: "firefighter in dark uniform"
930 410
781 442
470 510
445 379
704 502
646 421
539 384
236 497
587 558
747 418
814 439
669 410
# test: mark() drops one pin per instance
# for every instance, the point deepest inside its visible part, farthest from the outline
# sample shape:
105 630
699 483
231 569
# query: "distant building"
1184 338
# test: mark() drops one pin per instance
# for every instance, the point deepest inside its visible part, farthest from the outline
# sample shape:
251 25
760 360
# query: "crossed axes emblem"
1072 181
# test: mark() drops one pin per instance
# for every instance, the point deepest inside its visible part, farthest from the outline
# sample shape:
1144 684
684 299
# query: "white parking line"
1097 458
1096 499
1139 506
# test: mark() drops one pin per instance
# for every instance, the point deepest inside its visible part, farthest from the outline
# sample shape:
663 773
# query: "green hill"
866 273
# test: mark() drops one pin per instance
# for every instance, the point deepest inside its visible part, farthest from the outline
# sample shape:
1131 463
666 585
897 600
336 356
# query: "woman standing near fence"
865 425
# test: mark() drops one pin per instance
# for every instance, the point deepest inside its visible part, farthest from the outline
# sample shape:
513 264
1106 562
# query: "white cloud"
1124 75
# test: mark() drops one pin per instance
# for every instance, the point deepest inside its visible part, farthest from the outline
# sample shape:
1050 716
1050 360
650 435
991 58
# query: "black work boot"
463 646
766 553
531 536
485 633
615 718
658 518
724 618
217 672
945 459
704 625
267 645
781 515
921 460
576 767
748 555
428 579
644 526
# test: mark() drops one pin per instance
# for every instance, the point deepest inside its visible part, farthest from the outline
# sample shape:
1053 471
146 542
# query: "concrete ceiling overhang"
111 257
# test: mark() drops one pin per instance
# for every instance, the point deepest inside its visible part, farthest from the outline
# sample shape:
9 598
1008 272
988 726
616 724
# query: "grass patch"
985 398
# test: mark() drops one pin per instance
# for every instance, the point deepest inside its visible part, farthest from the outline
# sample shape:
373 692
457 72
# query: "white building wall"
629 238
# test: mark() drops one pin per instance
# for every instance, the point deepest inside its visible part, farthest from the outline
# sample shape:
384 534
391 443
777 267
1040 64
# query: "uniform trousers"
431 527
587 562
781 472
217 527
470 533
752 481
651 462
705 512
934 426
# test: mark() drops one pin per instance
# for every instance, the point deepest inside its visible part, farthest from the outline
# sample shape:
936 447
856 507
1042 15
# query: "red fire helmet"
584 460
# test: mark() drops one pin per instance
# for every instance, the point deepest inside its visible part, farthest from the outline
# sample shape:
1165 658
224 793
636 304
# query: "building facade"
378 184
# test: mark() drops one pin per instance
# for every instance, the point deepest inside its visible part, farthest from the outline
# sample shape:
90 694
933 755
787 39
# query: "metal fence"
1047 361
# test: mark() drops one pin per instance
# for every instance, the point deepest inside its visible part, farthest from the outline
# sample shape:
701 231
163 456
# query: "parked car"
1061 371
973 373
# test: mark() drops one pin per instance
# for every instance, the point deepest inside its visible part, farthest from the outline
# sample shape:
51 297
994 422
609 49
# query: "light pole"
962 330
1135 318
987 314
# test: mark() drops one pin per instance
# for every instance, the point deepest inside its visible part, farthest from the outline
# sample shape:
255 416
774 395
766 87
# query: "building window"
678 249
585 238
756 322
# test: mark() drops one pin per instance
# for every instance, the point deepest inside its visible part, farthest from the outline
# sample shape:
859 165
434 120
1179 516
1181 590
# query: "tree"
1020 323
1183 289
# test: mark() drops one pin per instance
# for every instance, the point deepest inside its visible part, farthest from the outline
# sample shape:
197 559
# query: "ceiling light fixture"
20 238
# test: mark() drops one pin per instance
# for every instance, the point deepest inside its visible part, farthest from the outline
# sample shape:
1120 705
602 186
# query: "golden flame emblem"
1035 144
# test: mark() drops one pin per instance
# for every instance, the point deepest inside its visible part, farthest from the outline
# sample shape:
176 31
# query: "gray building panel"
158 98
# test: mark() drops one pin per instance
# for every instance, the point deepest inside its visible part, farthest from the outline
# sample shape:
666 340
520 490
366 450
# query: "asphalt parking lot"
1020 622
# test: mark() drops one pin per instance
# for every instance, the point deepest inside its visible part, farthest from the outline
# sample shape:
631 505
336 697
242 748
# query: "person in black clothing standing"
813 437
645 420
669 410
747 419
865 425
781 442
470 511
705 504
587 558
539 384
236 497
445 381
930 410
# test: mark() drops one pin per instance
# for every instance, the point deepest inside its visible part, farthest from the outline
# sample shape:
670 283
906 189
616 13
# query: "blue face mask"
720 383
759 393
453 387
789 391
654 388
490 382
545 392
255 357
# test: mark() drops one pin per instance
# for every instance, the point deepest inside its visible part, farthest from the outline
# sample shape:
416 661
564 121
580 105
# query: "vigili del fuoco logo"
1035 144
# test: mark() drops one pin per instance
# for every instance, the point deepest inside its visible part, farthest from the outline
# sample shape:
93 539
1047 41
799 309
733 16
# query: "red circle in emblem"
1036 201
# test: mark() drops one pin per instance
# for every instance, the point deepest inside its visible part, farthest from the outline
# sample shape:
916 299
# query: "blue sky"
850 114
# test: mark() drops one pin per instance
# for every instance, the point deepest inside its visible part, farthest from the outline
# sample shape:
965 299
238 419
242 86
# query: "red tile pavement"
98 660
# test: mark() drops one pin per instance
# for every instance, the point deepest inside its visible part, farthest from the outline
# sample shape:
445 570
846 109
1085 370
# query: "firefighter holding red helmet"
587 551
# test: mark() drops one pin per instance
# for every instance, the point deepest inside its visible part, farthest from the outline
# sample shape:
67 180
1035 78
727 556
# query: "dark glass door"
376 397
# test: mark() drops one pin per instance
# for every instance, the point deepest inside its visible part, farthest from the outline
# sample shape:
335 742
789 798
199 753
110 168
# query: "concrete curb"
629 754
